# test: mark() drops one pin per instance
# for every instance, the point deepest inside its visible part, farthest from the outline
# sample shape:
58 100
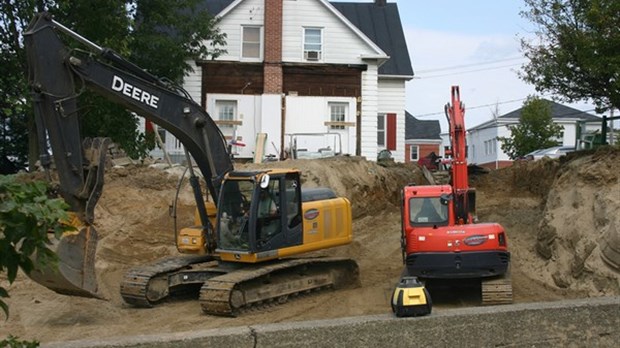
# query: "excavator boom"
57 76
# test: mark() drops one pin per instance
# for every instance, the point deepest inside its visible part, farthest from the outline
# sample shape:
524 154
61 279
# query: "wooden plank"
259 151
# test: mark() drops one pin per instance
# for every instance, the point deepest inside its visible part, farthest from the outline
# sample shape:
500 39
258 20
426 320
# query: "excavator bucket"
74 272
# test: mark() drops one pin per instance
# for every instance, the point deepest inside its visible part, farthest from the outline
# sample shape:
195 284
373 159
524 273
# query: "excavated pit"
560 216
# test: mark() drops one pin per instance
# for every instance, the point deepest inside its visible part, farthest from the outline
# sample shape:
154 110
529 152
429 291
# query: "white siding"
270 122
370 109
193 82
340 44
570 133
392 100
479 152
248 12
248 112
477 137
308 115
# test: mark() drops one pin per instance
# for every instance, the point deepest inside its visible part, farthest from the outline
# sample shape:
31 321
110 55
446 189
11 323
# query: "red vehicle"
439 237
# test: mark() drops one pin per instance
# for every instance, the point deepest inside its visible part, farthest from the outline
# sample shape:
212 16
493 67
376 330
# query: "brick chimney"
380 2
272 69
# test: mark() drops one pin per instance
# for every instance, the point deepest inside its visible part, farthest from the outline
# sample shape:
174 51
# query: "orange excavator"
240 251
440 239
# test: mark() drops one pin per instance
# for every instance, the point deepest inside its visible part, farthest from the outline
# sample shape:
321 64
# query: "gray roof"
380 23
216 6
558 111
419 129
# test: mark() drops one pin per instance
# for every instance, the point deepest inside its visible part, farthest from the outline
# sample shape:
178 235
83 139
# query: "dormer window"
313 44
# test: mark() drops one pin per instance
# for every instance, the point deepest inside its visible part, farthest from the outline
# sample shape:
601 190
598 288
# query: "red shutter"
391 131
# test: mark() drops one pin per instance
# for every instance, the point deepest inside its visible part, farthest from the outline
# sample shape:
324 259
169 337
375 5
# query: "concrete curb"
583 322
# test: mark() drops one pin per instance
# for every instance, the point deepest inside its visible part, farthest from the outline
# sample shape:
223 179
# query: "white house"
306 66
485 150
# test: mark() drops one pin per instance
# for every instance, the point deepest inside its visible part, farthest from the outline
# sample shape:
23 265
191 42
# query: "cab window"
427 211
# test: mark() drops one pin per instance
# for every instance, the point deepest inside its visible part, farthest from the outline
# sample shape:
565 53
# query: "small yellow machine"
410 298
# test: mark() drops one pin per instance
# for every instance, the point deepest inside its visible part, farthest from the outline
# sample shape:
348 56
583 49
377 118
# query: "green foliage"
535 130
13 342
166 36
26 216
15 110
157 35
576 54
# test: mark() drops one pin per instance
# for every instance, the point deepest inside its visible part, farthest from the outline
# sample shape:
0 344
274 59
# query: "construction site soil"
557 214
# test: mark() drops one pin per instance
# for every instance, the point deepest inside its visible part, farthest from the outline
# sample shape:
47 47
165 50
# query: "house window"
251 42
414 152
313 44
226 110
381 130
490 147
338 113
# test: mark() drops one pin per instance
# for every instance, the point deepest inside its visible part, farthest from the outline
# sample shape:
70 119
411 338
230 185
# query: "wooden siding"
231 78
309 80
323 80
340 44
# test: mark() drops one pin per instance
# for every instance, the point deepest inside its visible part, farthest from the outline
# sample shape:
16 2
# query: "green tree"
15 110
160 36
27 213
576 53
535 129
165 37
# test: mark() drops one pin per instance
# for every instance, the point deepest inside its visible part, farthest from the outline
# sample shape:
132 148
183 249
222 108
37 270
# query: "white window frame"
243 42
219 104
307 49
336 116
417 152
383 117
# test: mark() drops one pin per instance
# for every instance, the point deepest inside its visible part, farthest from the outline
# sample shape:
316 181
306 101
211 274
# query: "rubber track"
218 294
497 291
136 281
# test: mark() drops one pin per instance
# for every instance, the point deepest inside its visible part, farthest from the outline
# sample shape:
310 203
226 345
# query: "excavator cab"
258 213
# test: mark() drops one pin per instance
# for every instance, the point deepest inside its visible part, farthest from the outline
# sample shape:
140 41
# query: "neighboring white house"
306 66
485 150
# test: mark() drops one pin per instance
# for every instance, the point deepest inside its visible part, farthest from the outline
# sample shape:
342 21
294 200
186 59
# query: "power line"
465 72
470 65
472 107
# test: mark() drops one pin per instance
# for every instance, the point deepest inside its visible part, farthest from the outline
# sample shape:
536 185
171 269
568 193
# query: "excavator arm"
57 75
464 200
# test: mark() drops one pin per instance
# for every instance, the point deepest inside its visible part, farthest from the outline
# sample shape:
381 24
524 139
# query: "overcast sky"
473 44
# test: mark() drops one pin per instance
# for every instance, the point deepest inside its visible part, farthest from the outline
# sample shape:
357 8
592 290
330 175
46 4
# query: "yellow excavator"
239 253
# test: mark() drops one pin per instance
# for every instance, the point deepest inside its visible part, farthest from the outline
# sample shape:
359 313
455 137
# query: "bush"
27 214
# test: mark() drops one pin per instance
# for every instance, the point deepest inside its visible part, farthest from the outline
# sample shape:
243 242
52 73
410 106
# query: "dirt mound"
576 202
580 219
369 186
